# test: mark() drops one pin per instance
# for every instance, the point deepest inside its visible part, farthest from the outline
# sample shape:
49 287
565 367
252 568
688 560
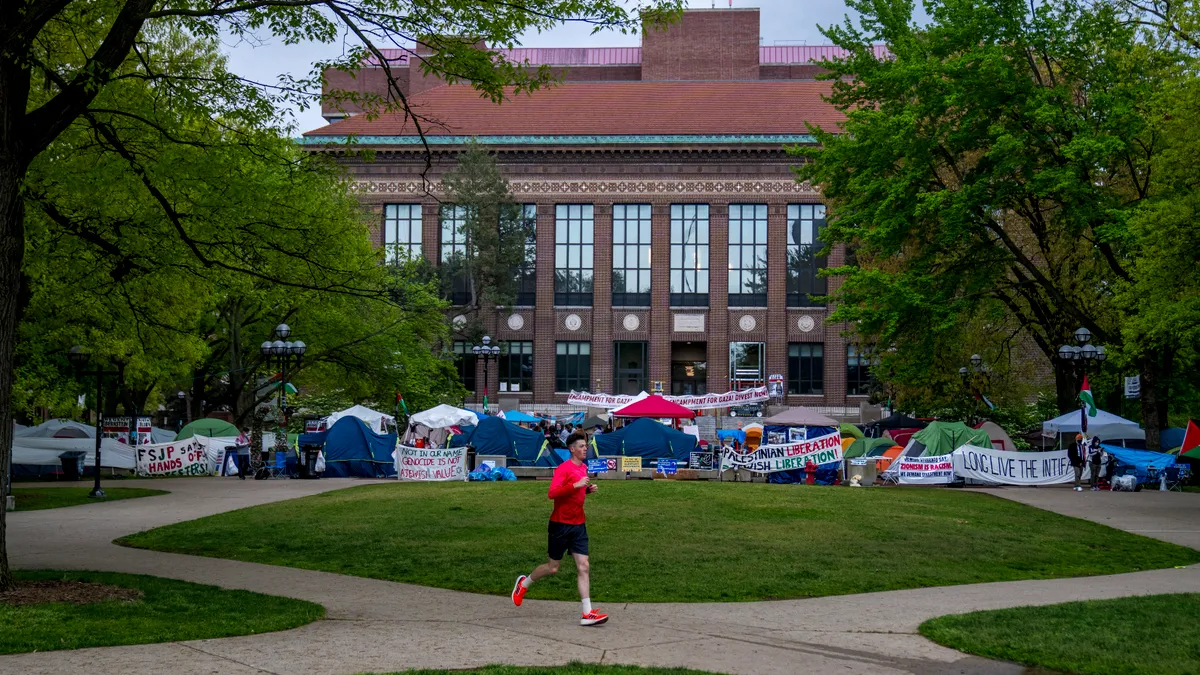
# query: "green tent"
209 426
850 431
943 438
863 447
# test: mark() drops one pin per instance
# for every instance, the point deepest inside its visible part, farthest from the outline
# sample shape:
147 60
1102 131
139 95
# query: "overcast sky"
782 22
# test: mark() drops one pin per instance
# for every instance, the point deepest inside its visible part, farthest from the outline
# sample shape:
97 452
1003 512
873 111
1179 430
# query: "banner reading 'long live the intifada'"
787 457
1012 468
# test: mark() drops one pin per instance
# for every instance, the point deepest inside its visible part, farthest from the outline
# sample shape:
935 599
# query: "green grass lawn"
169 610
570 669
671 541
37 498
1153 635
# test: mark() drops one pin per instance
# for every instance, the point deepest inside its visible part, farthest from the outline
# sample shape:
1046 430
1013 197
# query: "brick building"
672 243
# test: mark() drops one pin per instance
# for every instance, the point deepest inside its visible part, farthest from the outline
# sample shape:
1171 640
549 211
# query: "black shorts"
563 538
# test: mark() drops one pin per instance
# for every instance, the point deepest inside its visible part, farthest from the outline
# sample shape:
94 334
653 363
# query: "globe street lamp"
975 378
287 355
79 359
486 351
1080 358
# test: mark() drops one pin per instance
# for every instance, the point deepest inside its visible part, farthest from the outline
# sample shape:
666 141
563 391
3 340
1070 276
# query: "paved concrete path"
379 626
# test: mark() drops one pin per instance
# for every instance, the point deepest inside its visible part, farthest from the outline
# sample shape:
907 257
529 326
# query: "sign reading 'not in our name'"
431 464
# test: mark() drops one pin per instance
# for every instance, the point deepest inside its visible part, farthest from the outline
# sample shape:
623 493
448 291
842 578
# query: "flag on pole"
401 404
1085 395
1191 441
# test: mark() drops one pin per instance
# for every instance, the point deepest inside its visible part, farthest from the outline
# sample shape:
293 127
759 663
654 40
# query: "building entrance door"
630 365
689 368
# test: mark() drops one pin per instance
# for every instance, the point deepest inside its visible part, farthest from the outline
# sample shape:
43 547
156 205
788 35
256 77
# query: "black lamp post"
285 354
486 351
79 359
970 375
1081 357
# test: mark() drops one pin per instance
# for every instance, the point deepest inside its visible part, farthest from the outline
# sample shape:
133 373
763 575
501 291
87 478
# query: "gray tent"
800 417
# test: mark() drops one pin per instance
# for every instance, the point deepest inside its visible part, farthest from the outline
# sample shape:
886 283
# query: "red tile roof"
611 108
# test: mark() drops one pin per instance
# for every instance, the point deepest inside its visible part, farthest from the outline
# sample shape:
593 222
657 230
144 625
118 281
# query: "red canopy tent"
653 406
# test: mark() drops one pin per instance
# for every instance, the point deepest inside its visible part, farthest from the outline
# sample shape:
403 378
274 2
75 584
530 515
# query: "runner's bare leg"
544 570
582 571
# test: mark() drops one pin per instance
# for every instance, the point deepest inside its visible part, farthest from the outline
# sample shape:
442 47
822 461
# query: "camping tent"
800 417
943 438
654 407
1104 424
442 416
595 421
518 417
37 451
867 447
893 421
374 419
889 455
1000 438
208 426
647 439
1172 437
59 428
353 449
494 436
850 431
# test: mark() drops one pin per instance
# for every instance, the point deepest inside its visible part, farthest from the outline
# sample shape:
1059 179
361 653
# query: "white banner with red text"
936 470
698 402
179 458
1012 468
431 464
787 457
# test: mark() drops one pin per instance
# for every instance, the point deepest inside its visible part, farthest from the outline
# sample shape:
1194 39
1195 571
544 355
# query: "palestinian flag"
273 382
1191 441
401 404
1085 396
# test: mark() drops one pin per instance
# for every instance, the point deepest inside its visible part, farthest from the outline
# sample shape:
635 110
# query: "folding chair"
279 467
1177 475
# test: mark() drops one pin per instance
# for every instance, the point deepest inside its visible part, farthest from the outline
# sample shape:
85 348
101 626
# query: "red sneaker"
518 593
593 618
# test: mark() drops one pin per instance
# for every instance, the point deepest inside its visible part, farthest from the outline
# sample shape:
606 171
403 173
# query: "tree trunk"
1066 387
12 255
1155 369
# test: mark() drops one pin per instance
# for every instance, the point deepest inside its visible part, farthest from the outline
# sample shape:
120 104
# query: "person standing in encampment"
1077 454
1096 457
568 529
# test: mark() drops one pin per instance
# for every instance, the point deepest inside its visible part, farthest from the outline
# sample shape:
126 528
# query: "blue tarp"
494 436
1139 459
826 473
735 434
352 449
647 439
518 417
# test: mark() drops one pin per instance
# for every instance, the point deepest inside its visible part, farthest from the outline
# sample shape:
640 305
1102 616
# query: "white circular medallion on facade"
516 322
747 323
573 322
806 323
631 322
459 321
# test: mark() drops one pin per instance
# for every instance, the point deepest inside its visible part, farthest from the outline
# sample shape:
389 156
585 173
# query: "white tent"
59 428
46 451
375 420
1105 425
443 416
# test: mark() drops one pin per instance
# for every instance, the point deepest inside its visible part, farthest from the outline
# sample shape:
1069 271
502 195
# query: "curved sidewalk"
378 626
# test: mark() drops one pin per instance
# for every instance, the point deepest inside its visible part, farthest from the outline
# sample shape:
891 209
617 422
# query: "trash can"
72 465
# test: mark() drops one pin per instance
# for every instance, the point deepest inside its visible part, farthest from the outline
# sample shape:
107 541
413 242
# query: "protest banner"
667 467
1012 468
431 464
937 470
697 402
119 428
178 458
700 460
787 457
597 465
631 463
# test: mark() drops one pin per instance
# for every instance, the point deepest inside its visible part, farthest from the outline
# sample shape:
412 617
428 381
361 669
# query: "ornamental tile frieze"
601 187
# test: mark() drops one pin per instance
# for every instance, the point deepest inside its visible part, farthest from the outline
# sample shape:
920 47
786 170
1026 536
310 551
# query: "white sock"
587 605
527 581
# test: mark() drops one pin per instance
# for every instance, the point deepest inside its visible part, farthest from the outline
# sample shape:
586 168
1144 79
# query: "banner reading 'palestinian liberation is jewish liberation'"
787 457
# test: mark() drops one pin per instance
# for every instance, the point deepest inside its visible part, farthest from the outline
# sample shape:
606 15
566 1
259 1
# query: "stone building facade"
673 244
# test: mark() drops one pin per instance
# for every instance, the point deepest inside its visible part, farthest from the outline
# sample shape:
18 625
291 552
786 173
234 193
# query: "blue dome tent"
494 436
353 450
647 439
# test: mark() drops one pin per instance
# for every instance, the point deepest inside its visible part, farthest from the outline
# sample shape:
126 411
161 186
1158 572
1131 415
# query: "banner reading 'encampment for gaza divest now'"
787 457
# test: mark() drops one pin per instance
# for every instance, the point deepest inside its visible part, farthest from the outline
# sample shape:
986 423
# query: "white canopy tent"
433 423
374 419
1105 425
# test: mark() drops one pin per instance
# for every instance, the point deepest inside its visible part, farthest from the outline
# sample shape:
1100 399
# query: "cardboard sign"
772 458
666 467
180 458
431 464
937 470
701 460
631 463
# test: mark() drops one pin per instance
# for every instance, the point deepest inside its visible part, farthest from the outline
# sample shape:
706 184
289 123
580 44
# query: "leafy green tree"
991 163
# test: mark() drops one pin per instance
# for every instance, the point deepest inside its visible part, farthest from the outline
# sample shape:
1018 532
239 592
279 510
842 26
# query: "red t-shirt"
568 500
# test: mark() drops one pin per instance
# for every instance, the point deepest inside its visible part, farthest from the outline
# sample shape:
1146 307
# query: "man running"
567 530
